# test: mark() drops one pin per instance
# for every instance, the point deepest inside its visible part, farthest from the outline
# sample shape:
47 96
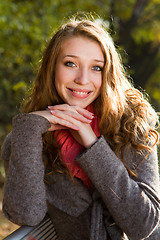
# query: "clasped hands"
74 118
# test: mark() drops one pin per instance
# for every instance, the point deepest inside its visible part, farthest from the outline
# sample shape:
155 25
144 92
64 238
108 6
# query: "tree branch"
137 10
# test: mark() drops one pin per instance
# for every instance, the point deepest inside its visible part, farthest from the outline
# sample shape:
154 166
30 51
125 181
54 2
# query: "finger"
63 122
72 117
56 127
84 112
75 115
64 107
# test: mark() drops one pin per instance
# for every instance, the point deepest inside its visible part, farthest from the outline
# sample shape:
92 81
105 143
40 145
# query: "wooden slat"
43 231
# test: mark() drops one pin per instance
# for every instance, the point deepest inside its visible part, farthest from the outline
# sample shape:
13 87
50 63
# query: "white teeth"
80 93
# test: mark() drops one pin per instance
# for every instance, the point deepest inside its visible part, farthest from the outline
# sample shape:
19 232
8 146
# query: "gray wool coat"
117 207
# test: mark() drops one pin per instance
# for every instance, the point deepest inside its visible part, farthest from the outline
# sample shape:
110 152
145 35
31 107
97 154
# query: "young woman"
84 147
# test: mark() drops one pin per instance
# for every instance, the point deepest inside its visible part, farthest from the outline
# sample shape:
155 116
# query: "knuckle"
77 107
64 122
66 105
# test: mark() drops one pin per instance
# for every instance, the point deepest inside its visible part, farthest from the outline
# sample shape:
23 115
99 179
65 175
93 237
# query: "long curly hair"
126 117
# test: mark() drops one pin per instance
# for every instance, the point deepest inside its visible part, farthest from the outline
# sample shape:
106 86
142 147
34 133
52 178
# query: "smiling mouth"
79 93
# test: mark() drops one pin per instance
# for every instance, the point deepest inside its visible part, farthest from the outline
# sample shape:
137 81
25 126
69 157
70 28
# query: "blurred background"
26 26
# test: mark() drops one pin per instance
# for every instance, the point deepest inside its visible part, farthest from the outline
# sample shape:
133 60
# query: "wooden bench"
45 230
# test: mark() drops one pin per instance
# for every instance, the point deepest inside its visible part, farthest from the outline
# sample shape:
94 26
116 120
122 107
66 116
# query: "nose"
82 76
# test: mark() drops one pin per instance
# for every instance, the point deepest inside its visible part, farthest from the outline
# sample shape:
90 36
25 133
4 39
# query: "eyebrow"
74 56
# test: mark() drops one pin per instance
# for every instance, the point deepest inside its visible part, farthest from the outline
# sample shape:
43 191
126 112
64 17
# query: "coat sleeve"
134 203
24 201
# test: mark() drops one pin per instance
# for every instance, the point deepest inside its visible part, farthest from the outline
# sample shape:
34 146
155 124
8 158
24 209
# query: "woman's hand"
56 123
74 118
77 120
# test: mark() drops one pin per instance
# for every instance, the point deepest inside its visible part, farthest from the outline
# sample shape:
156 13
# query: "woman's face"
78 71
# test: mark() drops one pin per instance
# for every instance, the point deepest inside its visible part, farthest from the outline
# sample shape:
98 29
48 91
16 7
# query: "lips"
80 93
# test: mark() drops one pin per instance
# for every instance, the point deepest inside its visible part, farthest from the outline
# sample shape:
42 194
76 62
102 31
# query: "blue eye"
97 68
69 64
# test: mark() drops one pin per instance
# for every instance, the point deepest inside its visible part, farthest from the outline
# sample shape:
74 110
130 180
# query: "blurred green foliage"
26 26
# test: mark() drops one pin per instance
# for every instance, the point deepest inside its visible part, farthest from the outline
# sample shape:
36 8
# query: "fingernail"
91 117
89 121
91 113
52 111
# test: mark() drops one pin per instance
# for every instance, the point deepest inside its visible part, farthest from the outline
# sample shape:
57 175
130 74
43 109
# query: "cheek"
62 76
98 83
59 78
58 84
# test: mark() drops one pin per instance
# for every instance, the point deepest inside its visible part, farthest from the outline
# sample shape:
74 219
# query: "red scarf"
70 149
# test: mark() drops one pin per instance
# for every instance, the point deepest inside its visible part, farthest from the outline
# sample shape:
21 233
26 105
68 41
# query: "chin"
80 104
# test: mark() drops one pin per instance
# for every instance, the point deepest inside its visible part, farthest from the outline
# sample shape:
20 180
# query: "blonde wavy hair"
126 117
